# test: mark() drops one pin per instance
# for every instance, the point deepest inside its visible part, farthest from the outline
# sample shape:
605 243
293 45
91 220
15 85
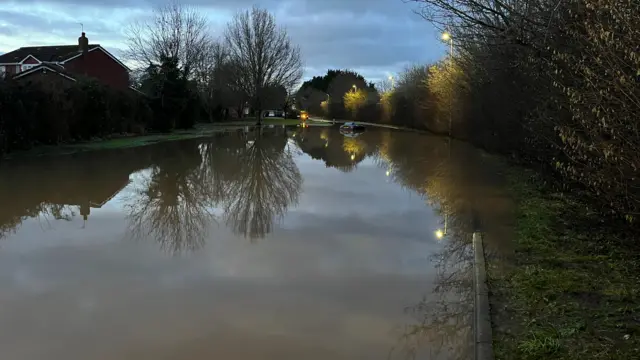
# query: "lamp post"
354 87
391 79
327 101
446 36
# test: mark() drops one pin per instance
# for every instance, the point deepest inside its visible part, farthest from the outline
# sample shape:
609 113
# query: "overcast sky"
377 38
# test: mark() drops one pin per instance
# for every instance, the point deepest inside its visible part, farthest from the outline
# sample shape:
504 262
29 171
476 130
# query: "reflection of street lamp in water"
442 233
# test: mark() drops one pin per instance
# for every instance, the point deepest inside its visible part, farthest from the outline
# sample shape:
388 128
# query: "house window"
2 71
28 66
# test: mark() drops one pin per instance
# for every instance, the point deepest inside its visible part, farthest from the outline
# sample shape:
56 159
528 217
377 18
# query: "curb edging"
483 346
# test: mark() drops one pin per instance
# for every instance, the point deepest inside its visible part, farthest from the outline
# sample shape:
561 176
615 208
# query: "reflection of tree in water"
10 222
335 149
173 204
60 187
221 161
453 180
442 321
267 182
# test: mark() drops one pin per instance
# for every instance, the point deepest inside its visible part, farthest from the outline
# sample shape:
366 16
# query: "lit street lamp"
354 87
391 79
327 101
448 38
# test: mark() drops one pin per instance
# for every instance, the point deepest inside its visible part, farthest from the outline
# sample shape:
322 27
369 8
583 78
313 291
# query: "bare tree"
216 87
263 54
174 31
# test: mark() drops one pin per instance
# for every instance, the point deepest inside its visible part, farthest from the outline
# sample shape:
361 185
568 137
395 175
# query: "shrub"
33 115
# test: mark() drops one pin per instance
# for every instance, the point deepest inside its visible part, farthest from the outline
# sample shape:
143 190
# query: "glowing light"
388 172
353 157
446 36
439 234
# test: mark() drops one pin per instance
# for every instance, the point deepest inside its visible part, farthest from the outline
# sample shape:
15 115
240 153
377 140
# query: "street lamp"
446 36
327 107
354 87
391 79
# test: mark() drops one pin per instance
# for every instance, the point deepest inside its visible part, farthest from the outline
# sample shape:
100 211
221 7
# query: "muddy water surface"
280 243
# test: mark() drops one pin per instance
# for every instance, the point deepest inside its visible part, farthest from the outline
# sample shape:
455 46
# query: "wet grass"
571 290
116 142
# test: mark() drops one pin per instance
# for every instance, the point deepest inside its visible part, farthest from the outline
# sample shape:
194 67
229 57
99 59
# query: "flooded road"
280 243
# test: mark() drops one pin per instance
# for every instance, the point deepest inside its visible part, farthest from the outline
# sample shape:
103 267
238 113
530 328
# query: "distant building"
65 63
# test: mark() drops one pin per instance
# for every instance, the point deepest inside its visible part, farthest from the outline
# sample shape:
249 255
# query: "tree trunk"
259 117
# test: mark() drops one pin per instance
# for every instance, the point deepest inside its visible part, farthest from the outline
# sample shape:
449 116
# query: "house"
65 63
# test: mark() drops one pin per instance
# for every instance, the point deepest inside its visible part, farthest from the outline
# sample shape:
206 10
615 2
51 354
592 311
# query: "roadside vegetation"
182 76
570 290
117 141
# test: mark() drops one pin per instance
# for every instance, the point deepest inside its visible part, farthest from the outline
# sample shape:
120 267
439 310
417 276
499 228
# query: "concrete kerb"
483 346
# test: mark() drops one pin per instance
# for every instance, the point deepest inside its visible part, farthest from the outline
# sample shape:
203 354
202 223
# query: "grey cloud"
377 35
7 31
22 21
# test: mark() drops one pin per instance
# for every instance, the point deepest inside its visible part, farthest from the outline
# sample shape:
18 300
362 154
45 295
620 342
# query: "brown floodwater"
280 243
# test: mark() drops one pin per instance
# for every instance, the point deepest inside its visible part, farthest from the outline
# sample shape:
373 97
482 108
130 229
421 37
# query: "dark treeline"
340 94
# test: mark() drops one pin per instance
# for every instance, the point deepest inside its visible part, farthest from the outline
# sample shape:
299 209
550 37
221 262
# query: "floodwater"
279 243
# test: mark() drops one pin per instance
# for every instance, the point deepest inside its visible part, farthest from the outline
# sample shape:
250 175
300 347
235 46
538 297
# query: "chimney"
83 43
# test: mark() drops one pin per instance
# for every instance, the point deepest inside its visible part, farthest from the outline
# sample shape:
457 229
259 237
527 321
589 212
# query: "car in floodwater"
351 128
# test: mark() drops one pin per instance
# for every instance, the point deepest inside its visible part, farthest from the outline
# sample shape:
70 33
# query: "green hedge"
32 115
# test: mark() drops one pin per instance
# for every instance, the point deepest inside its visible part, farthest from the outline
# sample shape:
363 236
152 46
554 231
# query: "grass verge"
115 143
571 289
